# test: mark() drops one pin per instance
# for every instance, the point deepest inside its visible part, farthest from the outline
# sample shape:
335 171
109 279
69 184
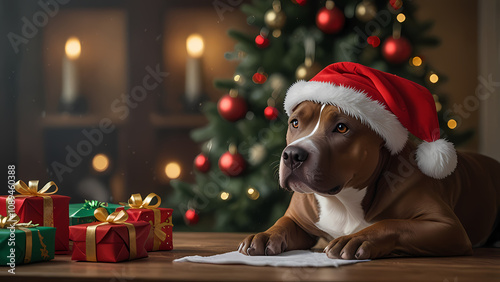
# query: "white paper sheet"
299 258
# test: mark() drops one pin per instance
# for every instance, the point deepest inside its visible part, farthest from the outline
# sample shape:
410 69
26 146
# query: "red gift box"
34 205
112 240
160 219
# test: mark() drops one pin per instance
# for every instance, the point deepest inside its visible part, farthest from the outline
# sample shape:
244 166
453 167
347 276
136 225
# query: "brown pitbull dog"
361 183
349 189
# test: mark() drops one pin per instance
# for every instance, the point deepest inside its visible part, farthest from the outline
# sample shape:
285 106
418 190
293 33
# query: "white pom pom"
437 159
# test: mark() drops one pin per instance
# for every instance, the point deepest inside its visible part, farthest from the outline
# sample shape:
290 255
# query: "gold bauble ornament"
366 11
307 70
275 20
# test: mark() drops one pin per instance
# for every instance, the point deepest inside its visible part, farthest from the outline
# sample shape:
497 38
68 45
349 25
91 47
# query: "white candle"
194 46
70 71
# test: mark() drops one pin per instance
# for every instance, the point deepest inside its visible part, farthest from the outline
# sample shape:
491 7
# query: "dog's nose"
294 156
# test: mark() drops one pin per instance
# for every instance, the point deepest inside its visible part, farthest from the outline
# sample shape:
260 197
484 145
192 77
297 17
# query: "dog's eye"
295 123
341 128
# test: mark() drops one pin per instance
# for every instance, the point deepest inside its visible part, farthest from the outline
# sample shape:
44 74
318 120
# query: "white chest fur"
342 214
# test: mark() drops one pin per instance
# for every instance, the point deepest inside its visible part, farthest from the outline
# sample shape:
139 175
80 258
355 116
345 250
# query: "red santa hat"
388 104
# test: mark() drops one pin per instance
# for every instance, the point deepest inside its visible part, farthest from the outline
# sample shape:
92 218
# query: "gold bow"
136 202
159 234
8 221
117 217
102 215
12 221
32 190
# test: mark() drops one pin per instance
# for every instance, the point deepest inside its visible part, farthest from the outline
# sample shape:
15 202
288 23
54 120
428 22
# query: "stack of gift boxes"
37 224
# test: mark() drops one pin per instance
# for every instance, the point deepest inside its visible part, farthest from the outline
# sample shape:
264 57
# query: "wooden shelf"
180 121
157 120
66 120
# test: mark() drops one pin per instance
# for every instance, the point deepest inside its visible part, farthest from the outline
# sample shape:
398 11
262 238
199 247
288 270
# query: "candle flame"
195 45
73 48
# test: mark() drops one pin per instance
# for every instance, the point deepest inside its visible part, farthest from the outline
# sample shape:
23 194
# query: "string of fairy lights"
432 77
252 193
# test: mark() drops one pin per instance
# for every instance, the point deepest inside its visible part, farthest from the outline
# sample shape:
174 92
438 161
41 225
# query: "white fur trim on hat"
354 103
437 159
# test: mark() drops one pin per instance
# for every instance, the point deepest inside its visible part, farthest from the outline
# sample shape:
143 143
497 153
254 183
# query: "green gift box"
84 213
16 250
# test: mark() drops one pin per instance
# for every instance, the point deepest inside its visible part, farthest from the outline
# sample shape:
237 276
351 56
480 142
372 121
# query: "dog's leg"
284 235
402 237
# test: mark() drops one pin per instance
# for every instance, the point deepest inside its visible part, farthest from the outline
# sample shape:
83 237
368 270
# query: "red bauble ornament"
271 113
261 41
232 108
373 40
330 21
301 2
396 4
396 51
259 78
202 163
191 217
232 164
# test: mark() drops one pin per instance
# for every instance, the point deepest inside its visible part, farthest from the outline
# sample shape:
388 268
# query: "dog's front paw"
355 247
263 244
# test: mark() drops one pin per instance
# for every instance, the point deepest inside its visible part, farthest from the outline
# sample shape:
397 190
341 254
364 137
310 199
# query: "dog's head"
327 151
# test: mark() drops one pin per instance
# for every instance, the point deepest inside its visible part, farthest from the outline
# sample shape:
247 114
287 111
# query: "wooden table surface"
484 265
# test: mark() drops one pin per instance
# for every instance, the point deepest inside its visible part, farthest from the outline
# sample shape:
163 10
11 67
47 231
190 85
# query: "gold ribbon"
136 202
158 233
101 214
7 221
13 221
32 190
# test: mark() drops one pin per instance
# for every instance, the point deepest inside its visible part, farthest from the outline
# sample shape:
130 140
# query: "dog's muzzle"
294 157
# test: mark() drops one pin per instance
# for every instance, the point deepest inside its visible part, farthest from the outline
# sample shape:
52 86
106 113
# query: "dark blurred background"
95 143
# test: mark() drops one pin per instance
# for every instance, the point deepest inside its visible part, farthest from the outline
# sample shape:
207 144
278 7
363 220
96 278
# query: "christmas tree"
236 172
